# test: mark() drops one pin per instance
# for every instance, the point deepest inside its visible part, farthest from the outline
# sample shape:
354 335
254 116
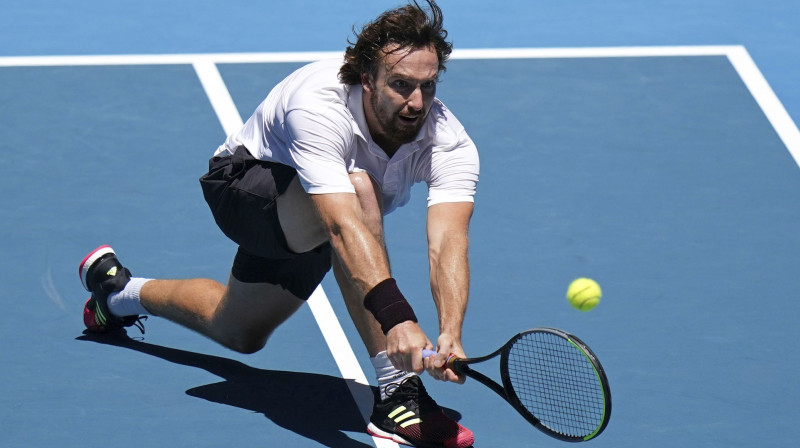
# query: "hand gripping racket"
552 379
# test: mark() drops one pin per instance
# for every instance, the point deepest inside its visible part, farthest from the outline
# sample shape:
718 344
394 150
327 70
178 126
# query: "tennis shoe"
411 417
102 274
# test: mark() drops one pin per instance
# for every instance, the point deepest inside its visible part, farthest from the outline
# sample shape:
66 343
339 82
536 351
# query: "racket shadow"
318 407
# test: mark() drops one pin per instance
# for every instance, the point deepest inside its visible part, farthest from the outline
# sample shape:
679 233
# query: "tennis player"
304 186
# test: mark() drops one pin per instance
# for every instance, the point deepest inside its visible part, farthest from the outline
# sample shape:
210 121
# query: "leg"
266 283
243 315
298 218
240 317
261 294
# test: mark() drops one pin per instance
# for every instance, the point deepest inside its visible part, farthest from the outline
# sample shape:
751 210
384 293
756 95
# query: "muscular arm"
358 244
363 256
448 241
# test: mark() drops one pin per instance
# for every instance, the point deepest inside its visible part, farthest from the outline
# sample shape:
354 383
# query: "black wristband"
387 304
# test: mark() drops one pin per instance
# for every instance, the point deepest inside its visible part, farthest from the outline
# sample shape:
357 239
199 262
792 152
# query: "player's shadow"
319 407
315 406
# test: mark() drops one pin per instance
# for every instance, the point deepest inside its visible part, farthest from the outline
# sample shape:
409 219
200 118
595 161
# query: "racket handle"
428 353
450 359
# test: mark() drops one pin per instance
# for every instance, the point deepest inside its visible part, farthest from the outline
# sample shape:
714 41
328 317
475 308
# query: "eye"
428 85
399 84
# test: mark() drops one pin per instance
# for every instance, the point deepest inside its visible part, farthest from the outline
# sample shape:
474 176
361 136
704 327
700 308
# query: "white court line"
591 52
767 100
737 55
241 58
163 59
218 95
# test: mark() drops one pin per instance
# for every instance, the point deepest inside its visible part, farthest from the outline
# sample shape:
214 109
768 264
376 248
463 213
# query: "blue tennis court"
652 148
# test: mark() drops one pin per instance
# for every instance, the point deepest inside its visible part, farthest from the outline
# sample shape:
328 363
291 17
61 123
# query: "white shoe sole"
377 432
87 262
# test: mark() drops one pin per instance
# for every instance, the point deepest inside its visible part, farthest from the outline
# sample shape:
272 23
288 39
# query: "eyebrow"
404 76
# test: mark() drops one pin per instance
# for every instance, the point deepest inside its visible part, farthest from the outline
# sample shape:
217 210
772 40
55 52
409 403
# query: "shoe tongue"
409 386
413 384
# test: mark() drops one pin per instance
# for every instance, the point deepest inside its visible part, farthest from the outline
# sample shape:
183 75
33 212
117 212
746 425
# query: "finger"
429 362
431 368
415 359
397 361
441 360
454 377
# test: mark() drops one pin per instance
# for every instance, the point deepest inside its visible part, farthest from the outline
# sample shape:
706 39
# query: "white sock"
126 302
387 374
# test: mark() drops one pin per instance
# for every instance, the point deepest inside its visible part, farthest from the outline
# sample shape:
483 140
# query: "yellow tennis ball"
584 294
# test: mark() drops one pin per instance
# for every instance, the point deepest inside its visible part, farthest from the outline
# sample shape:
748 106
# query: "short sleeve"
454 172
320 144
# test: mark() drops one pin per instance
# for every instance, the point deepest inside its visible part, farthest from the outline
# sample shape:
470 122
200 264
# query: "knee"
248 347
244 343
243 337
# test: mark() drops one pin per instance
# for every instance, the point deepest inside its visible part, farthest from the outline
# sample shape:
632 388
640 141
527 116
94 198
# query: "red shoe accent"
89 320
438 426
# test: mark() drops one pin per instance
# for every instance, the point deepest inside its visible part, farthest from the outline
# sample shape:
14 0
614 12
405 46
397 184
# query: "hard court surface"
649 145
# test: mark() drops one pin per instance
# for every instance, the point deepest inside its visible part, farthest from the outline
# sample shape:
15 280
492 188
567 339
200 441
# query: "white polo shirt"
315 124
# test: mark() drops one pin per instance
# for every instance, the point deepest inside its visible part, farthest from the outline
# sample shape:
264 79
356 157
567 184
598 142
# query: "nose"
415 101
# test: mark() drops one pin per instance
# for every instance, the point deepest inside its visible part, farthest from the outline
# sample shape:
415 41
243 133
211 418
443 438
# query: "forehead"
420 63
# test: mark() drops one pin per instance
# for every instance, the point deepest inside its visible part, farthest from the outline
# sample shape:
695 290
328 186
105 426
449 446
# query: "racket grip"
450 359
428 353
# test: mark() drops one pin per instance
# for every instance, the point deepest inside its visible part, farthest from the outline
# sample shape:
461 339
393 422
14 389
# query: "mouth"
409 119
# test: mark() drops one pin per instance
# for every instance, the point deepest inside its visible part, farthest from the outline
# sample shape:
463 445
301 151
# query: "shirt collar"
354 103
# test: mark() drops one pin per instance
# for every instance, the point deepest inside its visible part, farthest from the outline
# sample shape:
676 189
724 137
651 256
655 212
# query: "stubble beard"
392 130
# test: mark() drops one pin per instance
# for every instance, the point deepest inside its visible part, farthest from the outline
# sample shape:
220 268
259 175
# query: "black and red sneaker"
102 274
411 417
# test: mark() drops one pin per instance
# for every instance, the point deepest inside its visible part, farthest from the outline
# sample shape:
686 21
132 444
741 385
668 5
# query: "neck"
388 148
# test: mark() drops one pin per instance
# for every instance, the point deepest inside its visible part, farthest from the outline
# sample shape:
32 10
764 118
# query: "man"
303 186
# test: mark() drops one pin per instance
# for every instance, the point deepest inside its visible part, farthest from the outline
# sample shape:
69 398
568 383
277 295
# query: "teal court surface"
668 169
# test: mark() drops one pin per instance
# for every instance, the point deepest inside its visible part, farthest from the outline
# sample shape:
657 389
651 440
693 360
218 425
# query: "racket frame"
461 366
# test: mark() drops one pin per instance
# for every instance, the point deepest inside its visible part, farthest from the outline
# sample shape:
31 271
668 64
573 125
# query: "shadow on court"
318 407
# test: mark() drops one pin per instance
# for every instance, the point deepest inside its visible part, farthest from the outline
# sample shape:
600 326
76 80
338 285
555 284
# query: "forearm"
450 289
448 242
362 255
355 228
449 279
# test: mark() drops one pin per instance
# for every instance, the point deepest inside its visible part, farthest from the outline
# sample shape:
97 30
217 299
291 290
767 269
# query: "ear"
366 82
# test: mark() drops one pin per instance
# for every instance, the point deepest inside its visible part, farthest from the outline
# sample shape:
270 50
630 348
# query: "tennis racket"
552 379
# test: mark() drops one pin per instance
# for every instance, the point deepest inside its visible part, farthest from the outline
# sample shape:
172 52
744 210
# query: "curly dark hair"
409 26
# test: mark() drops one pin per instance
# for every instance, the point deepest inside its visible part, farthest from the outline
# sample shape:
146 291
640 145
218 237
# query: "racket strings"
555 382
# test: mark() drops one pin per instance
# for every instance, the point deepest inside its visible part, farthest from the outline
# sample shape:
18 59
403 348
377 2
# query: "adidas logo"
404 419
112 272
99 317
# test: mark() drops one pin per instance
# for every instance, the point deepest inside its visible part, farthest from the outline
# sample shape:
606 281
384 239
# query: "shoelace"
139 324
412 388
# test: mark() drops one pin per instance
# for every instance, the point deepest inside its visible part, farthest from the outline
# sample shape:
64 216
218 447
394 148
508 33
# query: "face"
398 98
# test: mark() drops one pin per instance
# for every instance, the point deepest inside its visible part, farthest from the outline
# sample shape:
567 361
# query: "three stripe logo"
99 317
404 418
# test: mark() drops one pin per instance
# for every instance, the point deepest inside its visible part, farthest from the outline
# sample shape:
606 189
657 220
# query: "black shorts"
241 192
